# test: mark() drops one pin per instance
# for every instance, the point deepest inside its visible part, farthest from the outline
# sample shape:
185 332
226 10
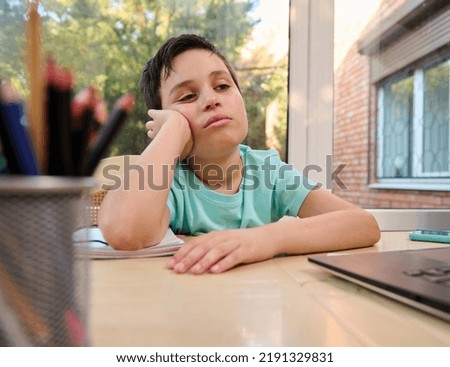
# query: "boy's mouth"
215 119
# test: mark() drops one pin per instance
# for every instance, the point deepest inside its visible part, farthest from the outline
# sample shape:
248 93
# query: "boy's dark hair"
160 65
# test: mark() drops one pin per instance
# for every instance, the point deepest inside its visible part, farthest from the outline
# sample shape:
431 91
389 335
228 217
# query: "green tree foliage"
263 81
107 42
12 39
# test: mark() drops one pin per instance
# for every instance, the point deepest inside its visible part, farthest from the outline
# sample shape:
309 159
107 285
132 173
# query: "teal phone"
430 235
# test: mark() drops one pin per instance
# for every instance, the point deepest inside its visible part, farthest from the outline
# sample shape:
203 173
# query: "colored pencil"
59 92
122 108
82 110
34 62
16 144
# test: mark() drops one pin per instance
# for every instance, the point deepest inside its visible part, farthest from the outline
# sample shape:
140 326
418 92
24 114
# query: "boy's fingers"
186 248
152 113
208 260
184 262
225 264
158 113
220 254
198 256
204 258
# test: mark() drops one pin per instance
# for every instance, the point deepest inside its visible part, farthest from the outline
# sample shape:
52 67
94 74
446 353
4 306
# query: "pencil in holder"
44 278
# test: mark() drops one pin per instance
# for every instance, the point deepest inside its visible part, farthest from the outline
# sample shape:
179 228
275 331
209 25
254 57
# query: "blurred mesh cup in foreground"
44 278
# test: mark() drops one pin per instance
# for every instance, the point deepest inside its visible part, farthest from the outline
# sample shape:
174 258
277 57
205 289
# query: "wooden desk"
281 302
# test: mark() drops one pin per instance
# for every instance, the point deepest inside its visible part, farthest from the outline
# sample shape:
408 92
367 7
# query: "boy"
232 194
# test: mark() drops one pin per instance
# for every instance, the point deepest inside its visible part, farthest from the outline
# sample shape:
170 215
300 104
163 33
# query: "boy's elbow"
373 230
122 235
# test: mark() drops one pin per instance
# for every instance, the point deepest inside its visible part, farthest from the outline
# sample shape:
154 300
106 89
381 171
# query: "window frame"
310 93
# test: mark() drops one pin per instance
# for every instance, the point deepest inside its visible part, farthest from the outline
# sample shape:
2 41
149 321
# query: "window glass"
395 116
436 134
106 43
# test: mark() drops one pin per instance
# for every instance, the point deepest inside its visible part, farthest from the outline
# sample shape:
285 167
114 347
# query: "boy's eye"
186 97
222 87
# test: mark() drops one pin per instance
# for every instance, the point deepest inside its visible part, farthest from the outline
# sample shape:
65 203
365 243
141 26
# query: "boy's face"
201 88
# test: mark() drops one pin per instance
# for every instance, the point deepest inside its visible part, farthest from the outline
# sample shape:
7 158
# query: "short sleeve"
290 190
176 202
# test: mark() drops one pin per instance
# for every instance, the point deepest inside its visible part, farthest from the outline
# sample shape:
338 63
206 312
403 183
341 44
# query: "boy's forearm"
135 215
337 230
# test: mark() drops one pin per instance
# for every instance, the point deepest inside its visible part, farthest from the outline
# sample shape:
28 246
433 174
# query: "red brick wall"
354 138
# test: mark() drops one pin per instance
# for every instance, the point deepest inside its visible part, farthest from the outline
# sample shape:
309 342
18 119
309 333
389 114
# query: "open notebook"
92 239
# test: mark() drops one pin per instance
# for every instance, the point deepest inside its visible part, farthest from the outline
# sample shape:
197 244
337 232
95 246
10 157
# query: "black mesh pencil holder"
44 278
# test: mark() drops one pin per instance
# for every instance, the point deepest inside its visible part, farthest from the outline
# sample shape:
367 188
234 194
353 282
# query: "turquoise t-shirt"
270 189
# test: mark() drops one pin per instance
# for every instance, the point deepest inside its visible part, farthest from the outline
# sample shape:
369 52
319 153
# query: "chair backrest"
107 173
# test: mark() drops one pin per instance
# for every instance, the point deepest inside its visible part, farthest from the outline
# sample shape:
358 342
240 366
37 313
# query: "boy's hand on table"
219 251
161 117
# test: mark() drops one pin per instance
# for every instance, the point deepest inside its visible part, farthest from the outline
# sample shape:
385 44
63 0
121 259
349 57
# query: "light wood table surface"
285 301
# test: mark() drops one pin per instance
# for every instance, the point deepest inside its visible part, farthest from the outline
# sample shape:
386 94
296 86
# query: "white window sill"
405 184
410 219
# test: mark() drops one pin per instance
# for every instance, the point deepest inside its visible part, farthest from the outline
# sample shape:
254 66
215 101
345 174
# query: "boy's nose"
211 102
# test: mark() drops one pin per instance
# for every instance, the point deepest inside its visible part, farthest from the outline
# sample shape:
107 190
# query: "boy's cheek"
185 111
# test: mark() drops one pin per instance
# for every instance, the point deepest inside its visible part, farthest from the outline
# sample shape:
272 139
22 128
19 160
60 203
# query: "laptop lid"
420 278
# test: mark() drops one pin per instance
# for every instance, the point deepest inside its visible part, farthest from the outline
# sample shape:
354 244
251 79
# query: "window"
413 124
107 43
